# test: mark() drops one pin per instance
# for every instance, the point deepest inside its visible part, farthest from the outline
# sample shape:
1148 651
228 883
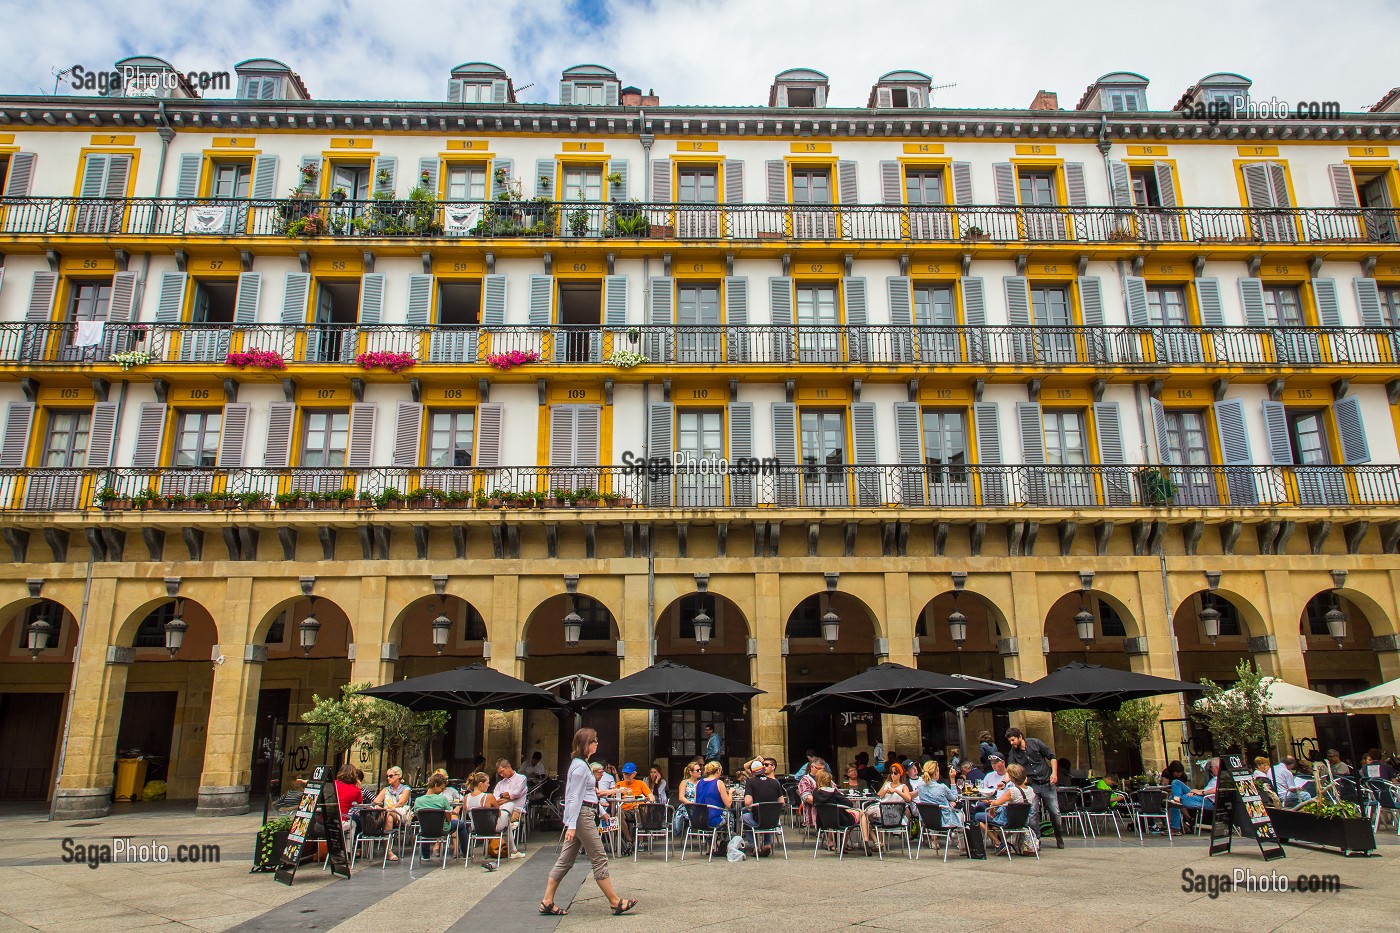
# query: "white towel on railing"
89 333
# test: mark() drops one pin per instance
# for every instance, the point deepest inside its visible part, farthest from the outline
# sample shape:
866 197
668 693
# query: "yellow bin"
131 777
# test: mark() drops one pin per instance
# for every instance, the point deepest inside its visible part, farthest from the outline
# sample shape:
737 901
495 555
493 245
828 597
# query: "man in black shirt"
1043 772
762 787
869 775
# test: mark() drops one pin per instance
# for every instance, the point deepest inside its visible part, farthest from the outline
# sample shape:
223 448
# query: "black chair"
482 828
893 820
653 821
1018 820
1098 805
699 828
767 821
793 802
832 821
1071 801
430 827
1154 803
931 826
1385 795
373 830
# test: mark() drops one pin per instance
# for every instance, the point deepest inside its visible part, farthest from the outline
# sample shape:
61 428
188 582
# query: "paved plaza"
1101 886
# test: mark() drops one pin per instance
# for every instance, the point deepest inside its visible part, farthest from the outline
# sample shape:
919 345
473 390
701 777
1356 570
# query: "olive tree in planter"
1235 716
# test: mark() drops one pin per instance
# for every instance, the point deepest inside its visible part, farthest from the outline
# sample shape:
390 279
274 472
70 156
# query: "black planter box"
1352 834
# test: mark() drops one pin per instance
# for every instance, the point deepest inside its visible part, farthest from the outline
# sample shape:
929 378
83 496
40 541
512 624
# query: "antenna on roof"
938 87
59 76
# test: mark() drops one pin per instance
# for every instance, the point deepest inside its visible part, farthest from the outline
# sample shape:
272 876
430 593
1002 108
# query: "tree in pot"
1235 717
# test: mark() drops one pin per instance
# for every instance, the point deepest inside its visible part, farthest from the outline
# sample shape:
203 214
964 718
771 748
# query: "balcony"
299 219
1224 349
741 485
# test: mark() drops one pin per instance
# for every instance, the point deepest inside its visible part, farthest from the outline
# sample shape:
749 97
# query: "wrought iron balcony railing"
37 345
719 485
294 217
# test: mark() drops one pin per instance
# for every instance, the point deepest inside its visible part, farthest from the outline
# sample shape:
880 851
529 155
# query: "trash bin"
131 778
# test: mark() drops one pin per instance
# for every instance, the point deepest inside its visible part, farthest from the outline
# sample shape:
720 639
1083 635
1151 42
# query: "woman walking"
581 830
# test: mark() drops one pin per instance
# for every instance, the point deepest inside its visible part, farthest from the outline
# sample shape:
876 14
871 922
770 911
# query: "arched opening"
1338 657
1213 631
463 638
33 696
549 657
813 663
982 627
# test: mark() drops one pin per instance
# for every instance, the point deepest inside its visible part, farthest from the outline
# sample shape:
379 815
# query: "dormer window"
1125 99
479 83
1220 98
899 97
588 94
475 93
802 97
265 88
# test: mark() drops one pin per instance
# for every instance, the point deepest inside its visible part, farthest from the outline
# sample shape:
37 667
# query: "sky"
726 52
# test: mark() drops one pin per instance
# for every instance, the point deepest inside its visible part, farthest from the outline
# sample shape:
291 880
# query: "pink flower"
257 359
511 358
394 362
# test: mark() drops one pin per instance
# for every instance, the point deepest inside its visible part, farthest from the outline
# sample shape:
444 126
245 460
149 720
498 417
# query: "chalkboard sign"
1238 805
318 806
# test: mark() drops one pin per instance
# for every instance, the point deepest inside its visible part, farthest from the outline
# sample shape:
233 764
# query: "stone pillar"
1028 627
1390 670
1284 619
637 631
770 673
901 733
85 785
233 708
374 660
1156 655
502 732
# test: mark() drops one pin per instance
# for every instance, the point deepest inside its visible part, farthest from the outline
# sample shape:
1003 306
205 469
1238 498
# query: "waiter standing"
1043 773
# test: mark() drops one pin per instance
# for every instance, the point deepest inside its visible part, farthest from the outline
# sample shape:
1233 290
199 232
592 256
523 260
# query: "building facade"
433 375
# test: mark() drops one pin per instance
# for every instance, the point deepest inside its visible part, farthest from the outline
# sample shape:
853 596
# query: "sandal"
622 906
551 910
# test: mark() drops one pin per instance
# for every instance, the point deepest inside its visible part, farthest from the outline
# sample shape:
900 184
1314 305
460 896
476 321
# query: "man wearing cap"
761 787
992 783
631 786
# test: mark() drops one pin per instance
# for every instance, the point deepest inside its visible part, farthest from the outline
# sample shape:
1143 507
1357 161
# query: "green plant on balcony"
629 220
585 498
626 359
389 498
130 359
1157 486
342 496
108 497
202 498
176 500
288 500
251 500
145 499
420 497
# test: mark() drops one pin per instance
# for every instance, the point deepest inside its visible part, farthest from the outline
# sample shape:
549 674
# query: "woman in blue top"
712 792
932 790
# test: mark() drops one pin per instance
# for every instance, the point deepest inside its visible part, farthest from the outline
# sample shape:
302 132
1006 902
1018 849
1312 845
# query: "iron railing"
718 485
378 218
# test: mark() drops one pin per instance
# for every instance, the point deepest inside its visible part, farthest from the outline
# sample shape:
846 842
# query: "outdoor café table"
614 805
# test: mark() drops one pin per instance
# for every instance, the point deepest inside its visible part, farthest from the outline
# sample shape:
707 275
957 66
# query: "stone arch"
1371 611
411 628
731 634
859 623
986 622
333 640
1252 623
549 638
15 615
1059 618
200 636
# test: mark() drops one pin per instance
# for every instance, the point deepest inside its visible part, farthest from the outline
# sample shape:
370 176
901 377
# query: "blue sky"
997 54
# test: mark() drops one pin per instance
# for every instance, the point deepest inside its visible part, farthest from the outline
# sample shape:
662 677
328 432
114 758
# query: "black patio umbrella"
667 686
894 688
474 687
1084 686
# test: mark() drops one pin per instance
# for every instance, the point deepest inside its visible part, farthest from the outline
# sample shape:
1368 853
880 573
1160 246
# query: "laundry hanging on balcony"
89 333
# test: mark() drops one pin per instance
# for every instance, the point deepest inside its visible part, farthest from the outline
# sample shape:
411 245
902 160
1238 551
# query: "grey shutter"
661 419
234 433
454 91
1018 299
900 290
780 314
1117 486
386 165
866 454
362 416
245 306
588 439
372 298
1135 291
1278 182
1004 181
1252 301
1347 410
785 449
420 299
777 181
962 183
102 436
733 181
857 319
891 183
504 166
1234 450
1031 425
117 169
989 465
846 182
1166 185
21 175
1329 309
741 452
264 187
499 91
1256 184
122 307
615 301
610 93
408 434
170 306
295 296
661 181
429 167
19 421
544 180
150 432
1120 183
94 173
303 184
1344 186
736 318
187 180
1368 301
974 299
884 98
1091 300
1208 301
493 300
661 318
489 418
1074 184
618 192
1276 427
908 429
41 297
541 300
1159 427
280 416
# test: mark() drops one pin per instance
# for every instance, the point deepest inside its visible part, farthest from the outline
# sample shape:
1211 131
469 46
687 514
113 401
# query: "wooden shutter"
588 442
499 91
21 175
1252 301
295 296
780 315
19 422
489 418
1368 301
1031 426
541 300
507 168
1091 301
566 92
150 433
430 167
777 181
661 425
454 91
264 187
661 317
962 183
41 297
866 455
661 181
1276 428
1344 186
372 298
1108 428
884 98
891 183
618 191
1278 182
847 182
362 416
785 449
562 428
117 168
900 289
1159 428
245 306
1166 184
420 299
94 175
493 300
1004 183
1135 292
988 428
908 429
408 434
615 301
1120 184
1074 184
1351 430
974 301
233 435
741 450
1234 451
733 181
303 183
386 175
1329 309
544 180
122 307
857 319
280 417
736 317
610 93
1018 299
187 179
171 305
103 435
1257 189
1208 301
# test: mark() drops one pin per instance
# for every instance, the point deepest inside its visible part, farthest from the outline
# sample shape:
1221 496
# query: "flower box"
1352 835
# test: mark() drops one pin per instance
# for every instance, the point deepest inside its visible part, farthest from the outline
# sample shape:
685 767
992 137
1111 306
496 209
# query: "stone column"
637 631
1156 655
1028 626
503 732
1284 618
374 660
233 708
901 733
770 672
94 716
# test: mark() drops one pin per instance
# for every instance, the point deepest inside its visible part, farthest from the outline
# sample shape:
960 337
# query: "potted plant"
585 498
144 499
1156 485
975 234
271 840
107 498
556 499
480 499
390 498
289 500
420 498
338 195
344 498
202 499
610 499
252 500
177 501
1334 825
496 500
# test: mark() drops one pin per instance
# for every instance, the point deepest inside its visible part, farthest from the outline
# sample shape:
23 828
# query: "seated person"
762 787
536 770
1198 801
512 791
479 796
631 786
714 794
970 772
826 793
995 779
1265 783
1374 766
1289 787
933 790
437 799
1334 761
854 783
347 794
660 790
865 772
394 797
996 814
893 790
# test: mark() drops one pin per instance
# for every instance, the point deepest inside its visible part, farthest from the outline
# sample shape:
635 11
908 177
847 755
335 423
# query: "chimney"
1045 100
633 97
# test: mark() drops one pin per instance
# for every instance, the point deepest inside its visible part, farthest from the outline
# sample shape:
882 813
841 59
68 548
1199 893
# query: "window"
260 88
1130 100
945 446
900 97
936 318
326 439
697 184
597 621
811 186
700 435
801 97
818 324
823 439
1282 306
459 303
1050 309
354 179
697 318
1229 615
50 613
1234 99
66 442
1307 435
1166 306
214 302
1145 190
231 180
590 94
474 92
1316 612
924 187
1110 625
689 607
1064 439
806 619
277 631
450 438
151 633
466 183
1390 306
337 309
475 629
1186 437
1037 187
90 301
580 315
197 438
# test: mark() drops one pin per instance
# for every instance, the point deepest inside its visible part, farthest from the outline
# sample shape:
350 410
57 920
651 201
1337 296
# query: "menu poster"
1238 804
315 808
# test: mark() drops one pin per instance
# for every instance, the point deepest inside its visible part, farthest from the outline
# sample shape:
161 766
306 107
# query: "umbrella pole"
1089 744
962 729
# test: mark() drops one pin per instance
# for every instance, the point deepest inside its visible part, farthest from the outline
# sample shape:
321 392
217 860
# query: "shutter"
245 306
785 449
429 166
362 415
488 435
1276 427
454 91
1234 450
618 192
884 99
846 182
117 168
187 181
891 183
499 91
660 318
541 300
387 169
857 319
1347 410
741 451
615 301
782 95
1368 301
1117 486
408 433
122 307
280 416
1329 310
1031 426
544 180
372 298
733 181
1344 186
908 432
493 300
1018 299
588 440
295 296
962 183
102 436
777 181
866 454
1091 301
1252 301
1166 184
736 317
302 183
504 167
610 93
561 435
1135 291
1256 184
171 306
41 296
661 181
21 175
420 299
94 172
233 434
264 187
150 432
901 300
1208 302
660 425
1278 181
989 463
269 89
1121 183
1004 182
1074 184
19 421
780 315
1159 427
974 299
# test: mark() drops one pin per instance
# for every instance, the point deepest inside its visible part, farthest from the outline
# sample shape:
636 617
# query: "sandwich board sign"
318 805
1238 805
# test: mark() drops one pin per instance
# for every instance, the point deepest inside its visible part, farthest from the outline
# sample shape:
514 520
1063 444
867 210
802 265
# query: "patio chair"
931 826
893 820
699 828
482 828
1154 803
831 823
767 821
1018 823
792 801
374 830
653 822
1071 800
430 826
1098 805
1386 799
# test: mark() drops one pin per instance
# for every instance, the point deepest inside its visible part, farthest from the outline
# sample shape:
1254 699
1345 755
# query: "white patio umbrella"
1287 699
1382 699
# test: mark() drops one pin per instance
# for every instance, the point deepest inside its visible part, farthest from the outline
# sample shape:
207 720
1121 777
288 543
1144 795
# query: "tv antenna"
58 76
938 87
